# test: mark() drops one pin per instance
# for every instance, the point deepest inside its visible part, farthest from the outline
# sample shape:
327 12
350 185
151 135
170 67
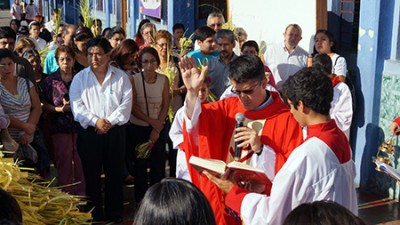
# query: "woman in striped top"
19 100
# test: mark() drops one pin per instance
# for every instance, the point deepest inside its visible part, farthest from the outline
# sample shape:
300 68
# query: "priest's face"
251 93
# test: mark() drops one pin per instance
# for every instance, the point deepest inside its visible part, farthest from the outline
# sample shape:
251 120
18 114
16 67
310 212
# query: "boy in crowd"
205 39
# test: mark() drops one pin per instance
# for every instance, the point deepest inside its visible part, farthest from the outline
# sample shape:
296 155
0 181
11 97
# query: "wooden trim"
124 11
321 14
228 11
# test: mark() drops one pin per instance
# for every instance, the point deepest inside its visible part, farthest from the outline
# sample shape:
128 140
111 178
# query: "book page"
213 166
387 169
239 165
248 177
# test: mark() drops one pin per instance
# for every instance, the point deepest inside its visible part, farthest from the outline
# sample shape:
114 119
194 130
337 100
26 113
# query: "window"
99 5
395 53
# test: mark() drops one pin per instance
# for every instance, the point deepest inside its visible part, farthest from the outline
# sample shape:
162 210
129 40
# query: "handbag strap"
27 86
145 94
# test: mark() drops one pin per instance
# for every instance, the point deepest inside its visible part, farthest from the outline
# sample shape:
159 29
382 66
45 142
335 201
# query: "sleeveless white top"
154 94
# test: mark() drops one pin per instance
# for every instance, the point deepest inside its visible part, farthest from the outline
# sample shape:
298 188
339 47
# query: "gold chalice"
384 151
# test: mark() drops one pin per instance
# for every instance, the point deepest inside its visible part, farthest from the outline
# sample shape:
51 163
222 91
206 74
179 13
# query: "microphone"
239 123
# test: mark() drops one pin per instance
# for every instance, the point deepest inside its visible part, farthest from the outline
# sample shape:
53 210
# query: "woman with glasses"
169 64
149 111
169 67
147 31
56 104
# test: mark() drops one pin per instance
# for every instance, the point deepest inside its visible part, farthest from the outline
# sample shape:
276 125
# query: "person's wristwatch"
261 150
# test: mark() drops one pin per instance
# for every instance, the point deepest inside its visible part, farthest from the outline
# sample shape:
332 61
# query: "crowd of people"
109 104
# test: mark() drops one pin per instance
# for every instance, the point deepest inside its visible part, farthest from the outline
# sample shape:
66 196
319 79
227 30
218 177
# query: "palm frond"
58 21
84 9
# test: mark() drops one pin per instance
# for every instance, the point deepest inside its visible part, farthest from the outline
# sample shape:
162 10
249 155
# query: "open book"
383 167
245 176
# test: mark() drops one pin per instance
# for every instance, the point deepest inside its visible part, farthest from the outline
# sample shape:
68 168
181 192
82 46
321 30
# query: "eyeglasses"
161 45
148 33
4 43
68 59
246 92
149 61
215 25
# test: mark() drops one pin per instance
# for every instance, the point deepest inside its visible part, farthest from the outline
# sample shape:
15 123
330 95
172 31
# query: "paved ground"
5 17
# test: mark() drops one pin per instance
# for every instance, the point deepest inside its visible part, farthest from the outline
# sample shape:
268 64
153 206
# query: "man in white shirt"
101 101
16 10
51 25
31 11
285 59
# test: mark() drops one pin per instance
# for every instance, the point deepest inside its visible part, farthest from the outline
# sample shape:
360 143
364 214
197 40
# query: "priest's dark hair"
311 86
245 68
174 202
322 212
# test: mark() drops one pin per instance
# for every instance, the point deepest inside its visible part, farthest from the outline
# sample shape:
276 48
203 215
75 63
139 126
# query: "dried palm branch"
40 203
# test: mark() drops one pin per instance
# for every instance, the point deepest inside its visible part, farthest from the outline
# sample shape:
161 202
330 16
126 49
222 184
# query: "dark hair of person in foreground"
322 213
174 202
10 212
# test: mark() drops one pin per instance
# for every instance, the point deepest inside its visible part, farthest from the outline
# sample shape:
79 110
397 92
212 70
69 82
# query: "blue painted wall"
182 11
374 48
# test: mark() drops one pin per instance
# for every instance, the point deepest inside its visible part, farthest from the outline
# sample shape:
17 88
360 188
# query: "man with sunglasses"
210 128
320 168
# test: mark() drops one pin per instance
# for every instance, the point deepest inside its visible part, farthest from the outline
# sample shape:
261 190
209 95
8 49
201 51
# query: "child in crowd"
176 135
204 37
34 31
